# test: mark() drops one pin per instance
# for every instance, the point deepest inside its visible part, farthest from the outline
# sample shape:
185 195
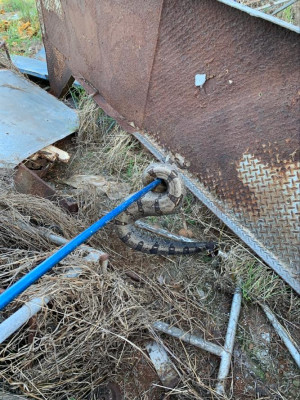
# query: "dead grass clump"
5 61
103 148
80 339
21 213
89 113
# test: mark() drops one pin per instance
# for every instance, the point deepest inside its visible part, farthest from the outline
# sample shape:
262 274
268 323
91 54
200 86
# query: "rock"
266 337
296 383
186 232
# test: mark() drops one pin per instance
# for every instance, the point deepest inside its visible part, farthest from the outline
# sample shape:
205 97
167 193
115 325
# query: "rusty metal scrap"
238 131
28 182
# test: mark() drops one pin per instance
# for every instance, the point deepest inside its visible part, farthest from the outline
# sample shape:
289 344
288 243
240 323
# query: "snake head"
172 184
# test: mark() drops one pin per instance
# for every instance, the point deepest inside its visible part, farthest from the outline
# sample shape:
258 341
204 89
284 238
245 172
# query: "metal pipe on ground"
268 5
229 341
290 3
188 338
292 347
94 255
224 352
163 232
33 306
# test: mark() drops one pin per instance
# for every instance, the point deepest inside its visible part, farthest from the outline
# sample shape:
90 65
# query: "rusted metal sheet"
238 133
28 182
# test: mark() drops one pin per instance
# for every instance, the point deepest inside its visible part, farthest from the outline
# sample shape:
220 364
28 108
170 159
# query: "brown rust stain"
111 44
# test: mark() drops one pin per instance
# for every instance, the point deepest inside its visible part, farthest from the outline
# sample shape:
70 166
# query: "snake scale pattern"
165 199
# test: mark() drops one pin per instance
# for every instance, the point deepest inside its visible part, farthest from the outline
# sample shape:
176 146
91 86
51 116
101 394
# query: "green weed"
22 30
26 9
288 14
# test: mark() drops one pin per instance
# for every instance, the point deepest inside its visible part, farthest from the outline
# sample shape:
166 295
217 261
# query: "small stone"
201 293
296 382
266 337
186 232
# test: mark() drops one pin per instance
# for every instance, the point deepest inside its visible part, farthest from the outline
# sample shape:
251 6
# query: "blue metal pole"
22 284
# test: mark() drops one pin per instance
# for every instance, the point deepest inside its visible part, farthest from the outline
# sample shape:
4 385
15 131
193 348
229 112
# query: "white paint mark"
200 79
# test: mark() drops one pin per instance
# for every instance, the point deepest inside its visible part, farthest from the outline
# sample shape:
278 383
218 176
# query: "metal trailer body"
236 135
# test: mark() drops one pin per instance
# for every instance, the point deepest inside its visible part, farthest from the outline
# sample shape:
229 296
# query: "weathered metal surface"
28 182
258 14
30 119
162 364
31 66
238 133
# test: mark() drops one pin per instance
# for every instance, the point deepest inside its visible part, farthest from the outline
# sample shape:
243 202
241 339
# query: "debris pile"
100 327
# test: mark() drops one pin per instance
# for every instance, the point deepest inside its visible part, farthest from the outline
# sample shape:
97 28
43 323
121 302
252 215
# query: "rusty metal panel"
241 129
238 132
28 182
112 42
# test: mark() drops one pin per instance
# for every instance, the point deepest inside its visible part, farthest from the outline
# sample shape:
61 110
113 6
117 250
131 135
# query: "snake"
165 199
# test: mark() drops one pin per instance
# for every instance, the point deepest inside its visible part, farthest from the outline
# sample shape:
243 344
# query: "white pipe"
33 306
229 341
20 317
187 337
283 334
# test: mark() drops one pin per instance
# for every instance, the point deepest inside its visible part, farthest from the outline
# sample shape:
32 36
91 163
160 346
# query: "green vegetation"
19 26
25 8
288 15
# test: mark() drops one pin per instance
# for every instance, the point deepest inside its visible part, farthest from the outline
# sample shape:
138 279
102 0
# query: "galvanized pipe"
163 232
31 308
20 317
188 338
225 353
282 333
229 341
270 5
258 14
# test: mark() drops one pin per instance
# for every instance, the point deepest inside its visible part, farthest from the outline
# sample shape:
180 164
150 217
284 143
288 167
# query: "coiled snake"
165 199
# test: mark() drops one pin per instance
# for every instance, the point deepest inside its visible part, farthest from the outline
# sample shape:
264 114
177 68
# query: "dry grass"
98 323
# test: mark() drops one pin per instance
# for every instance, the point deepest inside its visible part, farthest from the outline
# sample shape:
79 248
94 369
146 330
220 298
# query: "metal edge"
235 226
260 14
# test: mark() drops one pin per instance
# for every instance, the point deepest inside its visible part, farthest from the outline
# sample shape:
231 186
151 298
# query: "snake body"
165 199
